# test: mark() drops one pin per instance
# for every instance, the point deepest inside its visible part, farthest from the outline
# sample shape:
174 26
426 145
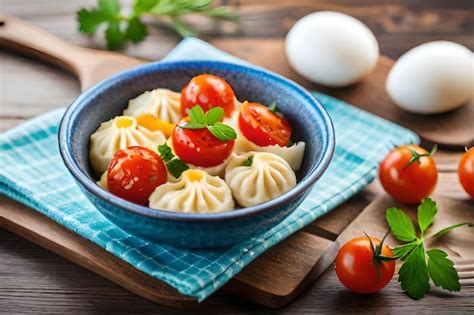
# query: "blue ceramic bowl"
108 98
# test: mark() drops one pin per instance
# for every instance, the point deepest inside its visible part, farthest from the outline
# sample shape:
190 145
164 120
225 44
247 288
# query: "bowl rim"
91 186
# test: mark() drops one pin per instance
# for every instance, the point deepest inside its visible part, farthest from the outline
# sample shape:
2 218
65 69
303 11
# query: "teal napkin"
32 172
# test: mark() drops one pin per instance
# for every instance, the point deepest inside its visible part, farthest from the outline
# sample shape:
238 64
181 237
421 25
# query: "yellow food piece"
193 175
123 122
152 123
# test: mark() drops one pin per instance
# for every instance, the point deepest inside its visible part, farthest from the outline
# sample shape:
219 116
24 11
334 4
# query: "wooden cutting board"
272 279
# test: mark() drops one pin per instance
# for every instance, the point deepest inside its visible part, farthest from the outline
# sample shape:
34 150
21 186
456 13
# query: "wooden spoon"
89 65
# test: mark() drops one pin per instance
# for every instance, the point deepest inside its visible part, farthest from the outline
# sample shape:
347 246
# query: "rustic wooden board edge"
251 283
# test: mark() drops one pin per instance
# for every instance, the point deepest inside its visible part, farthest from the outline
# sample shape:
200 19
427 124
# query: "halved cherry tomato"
208 91
262 126
466 171
134 173
199 147
408 183
359 270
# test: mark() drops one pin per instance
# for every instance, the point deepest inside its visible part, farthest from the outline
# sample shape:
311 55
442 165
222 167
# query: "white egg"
331 48
432 78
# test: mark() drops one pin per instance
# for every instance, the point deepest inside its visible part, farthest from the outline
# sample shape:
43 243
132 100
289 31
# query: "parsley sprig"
174 165
211 121
419 263
122 28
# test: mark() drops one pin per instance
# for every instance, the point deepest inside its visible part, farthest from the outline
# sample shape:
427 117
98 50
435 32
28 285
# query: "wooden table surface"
35 280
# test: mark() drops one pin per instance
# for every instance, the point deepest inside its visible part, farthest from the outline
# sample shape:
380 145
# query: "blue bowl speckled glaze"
108 98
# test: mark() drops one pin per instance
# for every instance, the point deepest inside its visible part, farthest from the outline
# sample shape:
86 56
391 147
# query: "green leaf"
426 212
222 132
180 27
248 161
413 274
165 152
115 36
90 20
109 8
403 250
401 225
449 228
197 116
192 125
143 6
214 115
442 271
136 31
176 167
290 143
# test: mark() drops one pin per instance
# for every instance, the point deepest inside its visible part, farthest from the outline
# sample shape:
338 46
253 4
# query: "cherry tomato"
134 173
466 171
262 126
408 183
199 147
208 91
358 269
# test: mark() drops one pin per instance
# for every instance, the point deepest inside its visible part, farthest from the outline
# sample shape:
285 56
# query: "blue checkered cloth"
32 172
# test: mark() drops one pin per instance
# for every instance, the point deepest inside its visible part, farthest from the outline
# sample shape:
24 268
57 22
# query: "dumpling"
120 133
268 176
293 155
164 104
195 192
103 181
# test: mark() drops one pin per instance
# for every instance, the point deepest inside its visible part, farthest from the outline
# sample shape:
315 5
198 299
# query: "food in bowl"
198 151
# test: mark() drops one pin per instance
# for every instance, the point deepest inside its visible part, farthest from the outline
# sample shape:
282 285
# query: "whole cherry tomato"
466 171
262 126
199 147
408 173
358 267
208 91
134 173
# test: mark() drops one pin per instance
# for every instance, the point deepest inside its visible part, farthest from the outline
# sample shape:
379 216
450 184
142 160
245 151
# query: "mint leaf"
180 27
109 8
174 165
192 125
222 132
426 212
400 225
413 274
90 20
449 228
248 161
197 116
442 271
214 115
402 251
136 31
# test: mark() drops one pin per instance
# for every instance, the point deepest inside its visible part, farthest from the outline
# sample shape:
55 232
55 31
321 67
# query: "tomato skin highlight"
356 267
408 184
208 91
263 127
466 171
134 173
199 147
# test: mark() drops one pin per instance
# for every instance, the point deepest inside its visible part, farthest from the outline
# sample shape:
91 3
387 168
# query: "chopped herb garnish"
211 121
248 161
290 143
420 264
174 165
